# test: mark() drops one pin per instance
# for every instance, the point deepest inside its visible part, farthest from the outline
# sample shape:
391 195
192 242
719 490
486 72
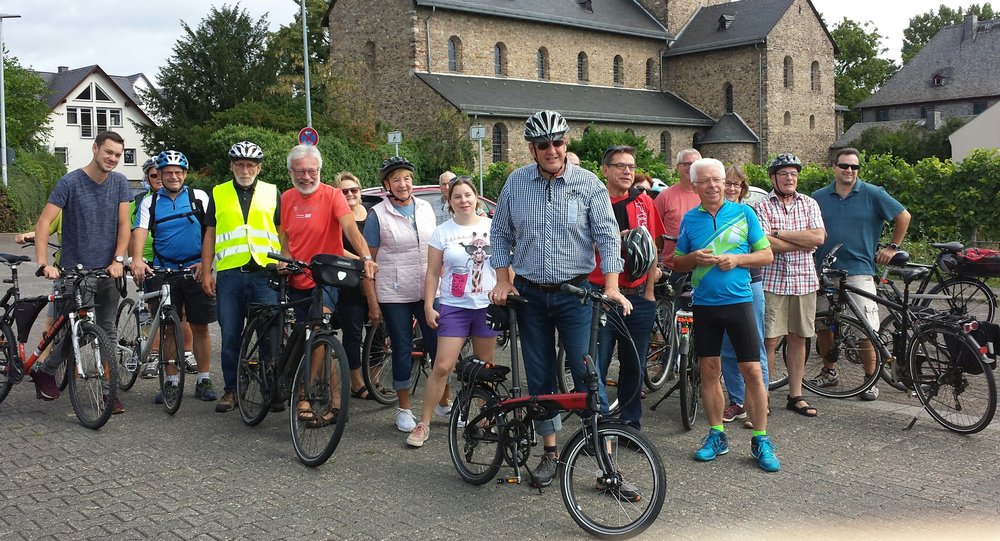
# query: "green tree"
26 109
924 27
910 142
594 142
860 69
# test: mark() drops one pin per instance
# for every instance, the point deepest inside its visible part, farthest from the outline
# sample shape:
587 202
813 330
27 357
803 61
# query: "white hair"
706 162
305 151
680 155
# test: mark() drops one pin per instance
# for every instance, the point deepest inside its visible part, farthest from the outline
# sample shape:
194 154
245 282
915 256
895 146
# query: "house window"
789 73
454 54
86 115
108 118
129 156
812 122
543 64
978 107
72 116
938 80
62 154
499 143
618 73
881 114
582 67
788 118
650 70
630 131
665 146
729 97
925 111
500 60
814 76
85 95
100 94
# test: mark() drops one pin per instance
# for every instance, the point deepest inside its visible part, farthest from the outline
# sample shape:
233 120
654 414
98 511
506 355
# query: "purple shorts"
463 322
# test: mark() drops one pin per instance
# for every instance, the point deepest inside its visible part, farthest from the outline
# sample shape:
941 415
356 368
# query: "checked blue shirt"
547 230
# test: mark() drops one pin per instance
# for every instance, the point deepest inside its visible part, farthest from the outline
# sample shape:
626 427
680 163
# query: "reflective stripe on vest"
236 240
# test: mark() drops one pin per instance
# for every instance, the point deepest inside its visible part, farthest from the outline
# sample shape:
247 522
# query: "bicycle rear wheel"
8 356
621 503
320 400
62 373
852 342
969 296
171 355
690 374
662 346
475 439
93 381
376 365
127 345
960 400
255 370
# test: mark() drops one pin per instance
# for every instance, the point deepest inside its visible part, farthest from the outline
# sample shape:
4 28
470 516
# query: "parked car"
428 192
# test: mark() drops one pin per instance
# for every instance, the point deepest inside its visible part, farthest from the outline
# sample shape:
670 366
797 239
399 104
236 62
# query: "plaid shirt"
547 230
791 273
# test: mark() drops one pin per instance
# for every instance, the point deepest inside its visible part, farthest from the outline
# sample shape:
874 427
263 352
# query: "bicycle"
943 361
136 325
674 354
964 294
274 344
93 385
611 477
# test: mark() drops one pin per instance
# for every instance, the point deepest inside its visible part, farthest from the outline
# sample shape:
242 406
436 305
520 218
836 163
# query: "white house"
980 132
86 101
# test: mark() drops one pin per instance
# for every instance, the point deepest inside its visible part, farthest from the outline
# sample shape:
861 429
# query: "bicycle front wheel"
171 355
320 400
853 346
662 346
690 373
615 504
474 438
950 379
8 356
376 365
93 380
127 345
255 370
968 296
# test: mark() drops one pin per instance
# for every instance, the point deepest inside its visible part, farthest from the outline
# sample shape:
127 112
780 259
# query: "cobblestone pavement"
851 471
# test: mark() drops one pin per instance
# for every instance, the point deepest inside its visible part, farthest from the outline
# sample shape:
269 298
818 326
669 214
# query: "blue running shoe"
715 443
763 450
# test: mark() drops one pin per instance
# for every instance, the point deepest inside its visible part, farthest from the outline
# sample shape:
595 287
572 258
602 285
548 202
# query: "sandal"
361 393
805 410
328 418
306 414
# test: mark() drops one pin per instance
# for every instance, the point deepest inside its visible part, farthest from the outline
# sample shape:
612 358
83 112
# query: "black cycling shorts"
737 320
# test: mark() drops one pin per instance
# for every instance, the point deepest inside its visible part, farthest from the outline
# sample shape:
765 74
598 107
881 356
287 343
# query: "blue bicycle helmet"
171 157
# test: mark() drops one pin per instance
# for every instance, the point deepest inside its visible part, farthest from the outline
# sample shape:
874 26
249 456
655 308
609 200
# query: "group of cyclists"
442 264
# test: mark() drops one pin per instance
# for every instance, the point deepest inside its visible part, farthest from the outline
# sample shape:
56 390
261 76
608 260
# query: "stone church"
740 81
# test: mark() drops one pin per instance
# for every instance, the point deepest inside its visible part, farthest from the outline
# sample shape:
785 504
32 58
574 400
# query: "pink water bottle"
459 277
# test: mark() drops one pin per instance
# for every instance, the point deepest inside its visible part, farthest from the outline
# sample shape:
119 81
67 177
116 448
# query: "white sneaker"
418 436
190 365
150 369
442 411
404 420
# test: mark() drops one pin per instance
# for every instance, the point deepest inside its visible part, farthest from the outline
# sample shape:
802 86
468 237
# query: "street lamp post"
305 63
3 109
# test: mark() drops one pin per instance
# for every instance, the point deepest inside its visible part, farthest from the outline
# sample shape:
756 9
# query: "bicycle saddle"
899 259
12 259
948 246
909 274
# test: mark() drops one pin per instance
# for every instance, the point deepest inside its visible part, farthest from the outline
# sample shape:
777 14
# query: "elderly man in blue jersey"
719 241
175 216
549 217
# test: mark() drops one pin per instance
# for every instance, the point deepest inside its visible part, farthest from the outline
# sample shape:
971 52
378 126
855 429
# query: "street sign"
308 136
395 137
477 132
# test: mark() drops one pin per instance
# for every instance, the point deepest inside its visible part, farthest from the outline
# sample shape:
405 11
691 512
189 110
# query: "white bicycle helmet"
545 126
639 253
245 150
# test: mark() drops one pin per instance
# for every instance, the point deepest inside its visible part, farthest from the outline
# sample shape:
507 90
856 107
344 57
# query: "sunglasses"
846 166
472 249
544 145
346 191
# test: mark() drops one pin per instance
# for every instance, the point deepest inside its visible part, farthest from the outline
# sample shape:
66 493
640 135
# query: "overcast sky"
126 37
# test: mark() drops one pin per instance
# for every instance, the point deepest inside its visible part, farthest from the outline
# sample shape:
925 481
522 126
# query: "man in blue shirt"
549 217
854 213
718 242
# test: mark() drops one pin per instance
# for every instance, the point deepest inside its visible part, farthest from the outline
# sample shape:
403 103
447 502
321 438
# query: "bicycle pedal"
509 481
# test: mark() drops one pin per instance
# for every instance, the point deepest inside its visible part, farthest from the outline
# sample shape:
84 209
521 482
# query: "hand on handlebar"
501 291
615 296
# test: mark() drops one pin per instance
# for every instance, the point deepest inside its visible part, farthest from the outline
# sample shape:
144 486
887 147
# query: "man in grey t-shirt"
94 203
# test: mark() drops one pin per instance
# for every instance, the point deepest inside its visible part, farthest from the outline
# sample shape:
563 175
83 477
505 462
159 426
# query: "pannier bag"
988 337
978 262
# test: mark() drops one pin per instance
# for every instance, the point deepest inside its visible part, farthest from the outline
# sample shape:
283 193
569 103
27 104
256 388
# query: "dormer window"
938 80
726 21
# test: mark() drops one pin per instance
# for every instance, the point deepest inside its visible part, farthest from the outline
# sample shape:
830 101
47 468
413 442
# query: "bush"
31 178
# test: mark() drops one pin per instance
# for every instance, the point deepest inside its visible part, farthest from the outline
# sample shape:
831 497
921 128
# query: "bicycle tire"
475 447
62 373
689 371
777 371
960 400
567 384
255 371
376 365
632 502
315 440
127 344
662 346
8 356
847 348
92 370
170 330
969 296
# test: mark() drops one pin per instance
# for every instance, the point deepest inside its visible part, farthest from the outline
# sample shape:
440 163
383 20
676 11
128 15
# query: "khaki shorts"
784 314
867 306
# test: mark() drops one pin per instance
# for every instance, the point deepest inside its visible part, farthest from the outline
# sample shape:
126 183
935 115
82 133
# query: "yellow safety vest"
237 240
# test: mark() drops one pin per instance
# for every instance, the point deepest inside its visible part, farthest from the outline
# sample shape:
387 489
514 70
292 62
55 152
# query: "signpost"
308 136
478 133
395 138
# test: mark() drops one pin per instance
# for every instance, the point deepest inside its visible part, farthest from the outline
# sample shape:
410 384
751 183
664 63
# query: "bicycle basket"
472 369
987 336
25 313
335 270
979 262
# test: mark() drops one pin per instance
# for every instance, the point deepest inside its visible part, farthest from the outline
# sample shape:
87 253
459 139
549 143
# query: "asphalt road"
852 471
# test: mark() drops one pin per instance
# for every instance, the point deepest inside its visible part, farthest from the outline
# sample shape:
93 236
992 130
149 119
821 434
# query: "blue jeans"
537 323
630 368
398 317
235 290
730 370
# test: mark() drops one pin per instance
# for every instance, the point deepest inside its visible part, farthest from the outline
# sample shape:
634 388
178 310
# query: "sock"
551 449
174 379
202 376
720 428
760 432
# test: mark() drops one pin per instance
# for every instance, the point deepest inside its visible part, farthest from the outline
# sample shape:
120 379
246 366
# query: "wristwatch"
367 258
774 233
120 259
892 245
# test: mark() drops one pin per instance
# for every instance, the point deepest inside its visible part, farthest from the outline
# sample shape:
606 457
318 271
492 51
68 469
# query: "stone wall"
731 154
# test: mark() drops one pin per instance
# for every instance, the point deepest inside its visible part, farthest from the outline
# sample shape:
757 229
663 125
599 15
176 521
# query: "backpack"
197 212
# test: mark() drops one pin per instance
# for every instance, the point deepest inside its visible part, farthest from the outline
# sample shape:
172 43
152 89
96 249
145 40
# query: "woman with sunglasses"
458 261
352 308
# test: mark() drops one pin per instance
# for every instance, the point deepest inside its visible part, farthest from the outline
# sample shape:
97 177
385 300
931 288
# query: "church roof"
729 129
487 96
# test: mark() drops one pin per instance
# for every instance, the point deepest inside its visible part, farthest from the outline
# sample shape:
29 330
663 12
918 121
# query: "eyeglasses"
354 190
171 174
787 174
709 181
734 185
623 165
303 172
544 145
246 165
846 166
684 163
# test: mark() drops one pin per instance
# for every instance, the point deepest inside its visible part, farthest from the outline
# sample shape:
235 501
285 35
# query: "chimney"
63 69
969 28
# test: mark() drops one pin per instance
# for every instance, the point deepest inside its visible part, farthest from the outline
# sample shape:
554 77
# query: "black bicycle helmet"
392 164
785 159
639 253
245 150
171 157
545 126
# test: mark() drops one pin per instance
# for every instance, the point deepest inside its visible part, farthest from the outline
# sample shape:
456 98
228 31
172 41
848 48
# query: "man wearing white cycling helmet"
549 217
241 228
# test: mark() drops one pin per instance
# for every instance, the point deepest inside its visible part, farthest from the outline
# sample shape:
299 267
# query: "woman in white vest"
397 231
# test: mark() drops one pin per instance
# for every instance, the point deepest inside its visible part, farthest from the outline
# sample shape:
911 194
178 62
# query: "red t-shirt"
641 213
312 225
671 206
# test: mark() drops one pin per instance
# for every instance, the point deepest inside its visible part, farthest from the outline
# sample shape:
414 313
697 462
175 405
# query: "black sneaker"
46 387
545 471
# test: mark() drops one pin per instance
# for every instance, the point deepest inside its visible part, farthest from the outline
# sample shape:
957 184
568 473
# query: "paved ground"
851 471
